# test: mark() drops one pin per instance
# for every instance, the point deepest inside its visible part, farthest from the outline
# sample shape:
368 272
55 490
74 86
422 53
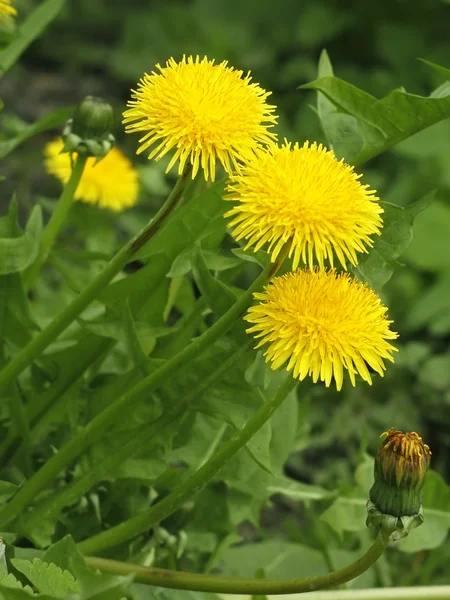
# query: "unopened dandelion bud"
89 132
401 465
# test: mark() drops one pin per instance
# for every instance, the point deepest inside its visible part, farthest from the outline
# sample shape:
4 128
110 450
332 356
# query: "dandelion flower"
304 196
111 183
205 112
321 323
6 10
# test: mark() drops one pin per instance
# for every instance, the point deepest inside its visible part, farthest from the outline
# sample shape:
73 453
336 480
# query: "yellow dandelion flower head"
111 183
205 112
321 323
304 196
6 10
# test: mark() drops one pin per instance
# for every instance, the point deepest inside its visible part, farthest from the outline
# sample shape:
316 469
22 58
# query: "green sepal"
396 527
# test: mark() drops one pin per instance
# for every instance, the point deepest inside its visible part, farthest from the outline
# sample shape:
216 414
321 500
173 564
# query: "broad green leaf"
427 251
278 558
341 130
17 253
50 121
282 559
383 123
377 266
92 586
47 578
9 581
35 23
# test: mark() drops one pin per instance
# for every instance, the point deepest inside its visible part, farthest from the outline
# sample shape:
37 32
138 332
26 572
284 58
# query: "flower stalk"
239 585
57 220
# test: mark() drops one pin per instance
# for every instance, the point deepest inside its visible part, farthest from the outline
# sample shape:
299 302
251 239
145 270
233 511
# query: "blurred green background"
102 48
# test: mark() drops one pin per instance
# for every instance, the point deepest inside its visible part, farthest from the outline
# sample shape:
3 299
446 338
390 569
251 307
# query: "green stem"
123 405
57 219
148 518
240 585
71 312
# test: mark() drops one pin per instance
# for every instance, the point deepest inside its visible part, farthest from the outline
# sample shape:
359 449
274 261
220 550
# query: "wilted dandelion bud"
395 504
89 132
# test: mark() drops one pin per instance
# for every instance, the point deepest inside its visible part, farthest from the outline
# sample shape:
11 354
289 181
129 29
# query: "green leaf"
47 578
377 266
341 130
383 123
17 253
441 70
34 25
92 586
426 251
50 121
278 558
9 581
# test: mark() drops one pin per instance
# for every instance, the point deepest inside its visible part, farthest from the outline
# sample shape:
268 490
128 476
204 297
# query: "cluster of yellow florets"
293 200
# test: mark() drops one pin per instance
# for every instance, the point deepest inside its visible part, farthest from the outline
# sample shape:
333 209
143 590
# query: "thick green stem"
148 518
57 219
71 312
123 405
237 585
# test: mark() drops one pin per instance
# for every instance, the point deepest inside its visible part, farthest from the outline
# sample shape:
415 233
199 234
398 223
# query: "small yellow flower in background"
304 196
6 10
205 112
321 323
111 183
